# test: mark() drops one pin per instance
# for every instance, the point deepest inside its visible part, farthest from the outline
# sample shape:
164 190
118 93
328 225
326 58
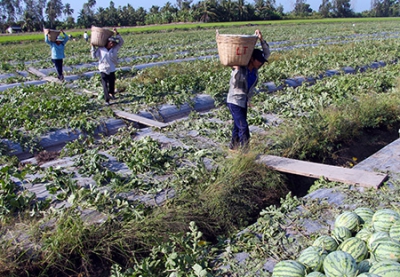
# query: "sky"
356 5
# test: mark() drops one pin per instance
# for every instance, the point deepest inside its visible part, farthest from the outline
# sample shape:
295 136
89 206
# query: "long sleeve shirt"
108 59
57 50
240 91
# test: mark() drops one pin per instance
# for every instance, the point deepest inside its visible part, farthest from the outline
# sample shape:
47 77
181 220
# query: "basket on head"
99 36
53 34
235 49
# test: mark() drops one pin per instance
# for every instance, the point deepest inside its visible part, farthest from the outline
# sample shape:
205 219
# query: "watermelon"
375 236
315 274
383 219
348 219
386 249
365 215
312 258
364 234
364 265
386 269
340 234
289 268
339 263
328 243
394 231
368 275
356 247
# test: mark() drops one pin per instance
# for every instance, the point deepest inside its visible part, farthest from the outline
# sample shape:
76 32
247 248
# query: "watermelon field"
88 192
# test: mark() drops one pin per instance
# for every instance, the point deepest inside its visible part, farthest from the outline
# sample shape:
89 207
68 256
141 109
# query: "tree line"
34 15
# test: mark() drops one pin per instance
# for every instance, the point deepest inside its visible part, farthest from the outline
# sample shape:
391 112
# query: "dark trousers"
58 63
108 82
240 131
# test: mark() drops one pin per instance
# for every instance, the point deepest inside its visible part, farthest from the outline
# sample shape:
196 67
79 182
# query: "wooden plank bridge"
331 173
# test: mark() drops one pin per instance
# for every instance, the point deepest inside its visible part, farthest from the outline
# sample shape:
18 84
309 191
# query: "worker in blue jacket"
57 52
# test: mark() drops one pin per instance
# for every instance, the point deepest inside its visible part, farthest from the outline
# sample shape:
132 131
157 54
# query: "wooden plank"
331 173
90 92
52 79
140 119
36 72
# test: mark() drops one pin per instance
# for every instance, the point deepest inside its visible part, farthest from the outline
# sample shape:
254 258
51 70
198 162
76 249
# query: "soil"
46 156
351 152
368 143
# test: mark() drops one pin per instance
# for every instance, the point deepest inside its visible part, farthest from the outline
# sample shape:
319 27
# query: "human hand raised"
259 34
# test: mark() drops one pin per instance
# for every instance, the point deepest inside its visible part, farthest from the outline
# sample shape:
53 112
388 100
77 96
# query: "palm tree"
54 9
241 9
91 3
67 10
209 11
11 9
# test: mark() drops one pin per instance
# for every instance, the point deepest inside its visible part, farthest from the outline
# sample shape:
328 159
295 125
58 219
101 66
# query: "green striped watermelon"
315 274
340 234
386 249
383 219
365 215
364 265
375 243
364 234
312 258
356 247
339 263
394 231
348 219
289 268
386 269
368 275
328 243
375 236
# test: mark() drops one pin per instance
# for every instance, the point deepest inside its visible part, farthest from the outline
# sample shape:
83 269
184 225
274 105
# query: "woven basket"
53 34
235 49
100 36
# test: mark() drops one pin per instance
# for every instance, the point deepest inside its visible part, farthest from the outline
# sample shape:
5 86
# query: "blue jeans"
240 131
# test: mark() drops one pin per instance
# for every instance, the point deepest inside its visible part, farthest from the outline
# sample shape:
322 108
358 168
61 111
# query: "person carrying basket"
108 60
57 52
241 88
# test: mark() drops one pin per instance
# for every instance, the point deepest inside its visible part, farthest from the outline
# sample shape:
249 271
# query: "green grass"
177 26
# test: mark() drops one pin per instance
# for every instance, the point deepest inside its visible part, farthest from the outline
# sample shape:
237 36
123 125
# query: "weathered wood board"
36 72
140 119
90 92
52 79
331 173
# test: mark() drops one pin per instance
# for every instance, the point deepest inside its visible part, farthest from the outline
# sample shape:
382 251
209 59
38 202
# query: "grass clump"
323 132
182 236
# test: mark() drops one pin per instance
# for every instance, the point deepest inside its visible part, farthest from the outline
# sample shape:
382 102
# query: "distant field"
154 28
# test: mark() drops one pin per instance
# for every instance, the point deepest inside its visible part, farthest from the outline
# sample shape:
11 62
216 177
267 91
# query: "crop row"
176 84
161 46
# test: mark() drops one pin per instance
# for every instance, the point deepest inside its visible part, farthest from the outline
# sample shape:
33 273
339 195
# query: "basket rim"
234 35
